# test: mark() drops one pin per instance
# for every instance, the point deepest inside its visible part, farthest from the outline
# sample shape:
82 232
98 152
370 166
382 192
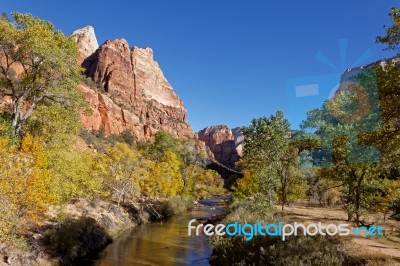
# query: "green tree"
354 167
270 155
38 65
161 143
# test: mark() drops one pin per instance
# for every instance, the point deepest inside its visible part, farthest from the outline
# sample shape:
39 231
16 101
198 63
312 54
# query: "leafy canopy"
38 65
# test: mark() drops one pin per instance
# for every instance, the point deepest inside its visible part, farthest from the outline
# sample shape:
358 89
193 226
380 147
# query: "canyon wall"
127 90
224 143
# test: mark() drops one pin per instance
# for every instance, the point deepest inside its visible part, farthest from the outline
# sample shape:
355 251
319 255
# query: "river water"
164 243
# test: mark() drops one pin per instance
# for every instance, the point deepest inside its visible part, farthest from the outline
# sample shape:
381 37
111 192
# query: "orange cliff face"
137 96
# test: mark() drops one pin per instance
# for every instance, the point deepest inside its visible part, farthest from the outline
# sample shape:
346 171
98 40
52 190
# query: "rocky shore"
78 231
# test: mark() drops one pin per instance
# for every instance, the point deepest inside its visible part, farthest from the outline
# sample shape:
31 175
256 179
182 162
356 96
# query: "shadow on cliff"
226 154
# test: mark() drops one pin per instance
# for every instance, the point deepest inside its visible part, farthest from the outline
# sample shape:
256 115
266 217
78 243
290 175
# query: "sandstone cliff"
224 143
86 40
135 95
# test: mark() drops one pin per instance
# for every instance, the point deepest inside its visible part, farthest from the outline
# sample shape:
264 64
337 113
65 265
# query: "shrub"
88 81
176 205
128 137
266 250
270 250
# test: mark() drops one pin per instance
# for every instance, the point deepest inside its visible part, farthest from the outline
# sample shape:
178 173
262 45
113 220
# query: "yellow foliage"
39 188
165 179
127 173
72 171
119 167
25 180
201 183
246 186
391 191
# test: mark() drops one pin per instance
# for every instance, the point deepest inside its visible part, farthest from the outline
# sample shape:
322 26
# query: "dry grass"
381 250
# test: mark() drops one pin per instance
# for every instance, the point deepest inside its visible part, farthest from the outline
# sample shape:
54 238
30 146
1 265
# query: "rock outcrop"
224 143
134 94
87 42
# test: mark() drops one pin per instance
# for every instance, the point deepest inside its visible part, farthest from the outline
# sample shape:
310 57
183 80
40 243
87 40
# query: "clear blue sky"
229 60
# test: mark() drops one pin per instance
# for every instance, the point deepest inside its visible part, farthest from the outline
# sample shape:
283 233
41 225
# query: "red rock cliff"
224 143
136 94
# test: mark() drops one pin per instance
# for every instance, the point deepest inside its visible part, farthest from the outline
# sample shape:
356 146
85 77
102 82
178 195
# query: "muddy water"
164 243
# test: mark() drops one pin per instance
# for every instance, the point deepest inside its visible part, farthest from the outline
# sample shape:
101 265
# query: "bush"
128 137
87 136
88 81
98 138
266 250
270 250
176 205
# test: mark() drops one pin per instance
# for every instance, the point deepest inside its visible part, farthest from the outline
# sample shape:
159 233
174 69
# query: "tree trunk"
283 186
15 117
358 197
283 196
119 198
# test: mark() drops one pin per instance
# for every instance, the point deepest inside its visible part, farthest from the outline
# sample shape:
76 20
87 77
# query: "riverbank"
167 242
81 229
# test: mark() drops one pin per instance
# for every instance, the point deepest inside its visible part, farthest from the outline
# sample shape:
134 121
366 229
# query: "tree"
270 155
121 167
38 65
356 165
190 153
246 186
392 37
161 143
389 194
167 177
25 180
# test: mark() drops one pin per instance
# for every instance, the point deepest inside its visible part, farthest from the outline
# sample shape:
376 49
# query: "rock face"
134 93
224 143
239 140
87 42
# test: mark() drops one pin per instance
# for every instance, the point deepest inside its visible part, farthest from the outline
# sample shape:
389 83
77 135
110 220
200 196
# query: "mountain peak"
87 41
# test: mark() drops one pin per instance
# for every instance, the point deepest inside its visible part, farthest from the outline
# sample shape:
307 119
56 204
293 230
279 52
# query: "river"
165 243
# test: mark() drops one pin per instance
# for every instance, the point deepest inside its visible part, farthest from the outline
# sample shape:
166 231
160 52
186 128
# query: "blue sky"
230 60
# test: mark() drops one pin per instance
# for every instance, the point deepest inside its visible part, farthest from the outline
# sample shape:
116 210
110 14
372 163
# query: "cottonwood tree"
25 180
38 65
120 166
271 157
165 179
358 164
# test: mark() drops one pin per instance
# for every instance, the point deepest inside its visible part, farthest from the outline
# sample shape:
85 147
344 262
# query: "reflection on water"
164 243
